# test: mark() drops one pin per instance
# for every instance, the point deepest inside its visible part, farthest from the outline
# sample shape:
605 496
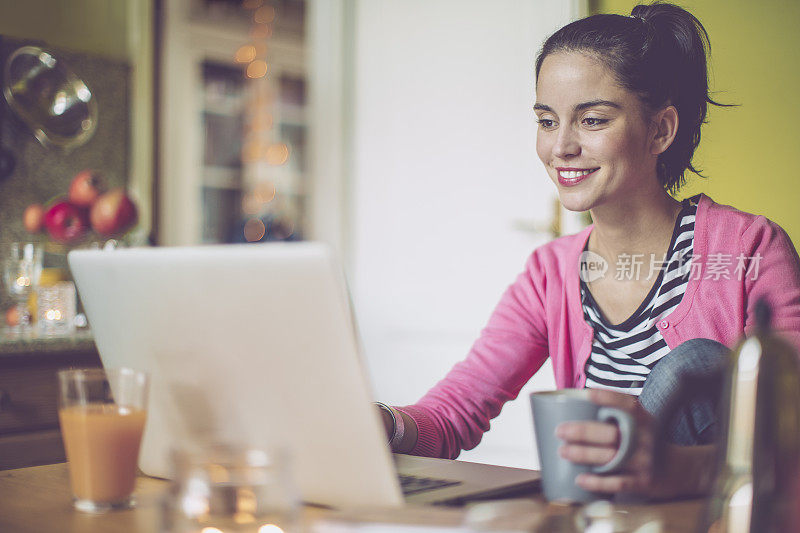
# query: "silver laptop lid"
244 343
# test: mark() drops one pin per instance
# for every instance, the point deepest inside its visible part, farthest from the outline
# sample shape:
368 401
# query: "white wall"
443 170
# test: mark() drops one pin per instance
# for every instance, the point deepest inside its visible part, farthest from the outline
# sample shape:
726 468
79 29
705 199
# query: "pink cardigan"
540 314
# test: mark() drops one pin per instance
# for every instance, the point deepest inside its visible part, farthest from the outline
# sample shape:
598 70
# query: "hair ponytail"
659 52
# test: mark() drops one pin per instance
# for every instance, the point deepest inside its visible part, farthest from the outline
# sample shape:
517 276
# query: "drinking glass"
102 415
22 267
56 309
230 488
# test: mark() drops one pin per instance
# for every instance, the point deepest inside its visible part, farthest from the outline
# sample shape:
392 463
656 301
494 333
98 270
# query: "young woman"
620 102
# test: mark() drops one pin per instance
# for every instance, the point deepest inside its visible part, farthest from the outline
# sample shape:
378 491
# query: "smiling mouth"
572 177
572 174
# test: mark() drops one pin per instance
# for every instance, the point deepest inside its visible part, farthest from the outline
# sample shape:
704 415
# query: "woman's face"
593 138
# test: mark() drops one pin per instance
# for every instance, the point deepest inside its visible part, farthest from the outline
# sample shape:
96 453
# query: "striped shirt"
623 354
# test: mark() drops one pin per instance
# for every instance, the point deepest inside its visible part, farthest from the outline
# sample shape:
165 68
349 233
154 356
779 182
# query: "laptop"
256 344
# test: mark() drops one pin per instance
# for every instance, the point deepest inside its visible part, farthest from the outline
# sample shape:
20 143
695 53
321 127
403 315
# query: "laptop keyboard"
416 484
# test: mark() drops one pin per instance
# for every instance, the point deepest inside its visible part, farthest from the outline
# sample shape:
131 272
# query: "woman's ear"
666 127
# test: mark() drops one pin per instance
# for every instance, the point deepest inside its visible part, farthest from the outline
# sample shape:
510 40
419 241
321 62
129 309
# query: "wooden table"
37 499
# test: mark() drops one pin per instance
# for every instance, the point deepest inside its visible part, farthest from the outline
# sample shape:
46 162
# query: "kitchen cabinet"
233 123
29 430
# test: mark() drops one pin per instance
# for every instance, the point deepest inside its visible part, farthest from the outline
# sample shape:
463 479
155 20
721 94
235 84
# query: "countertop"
80 341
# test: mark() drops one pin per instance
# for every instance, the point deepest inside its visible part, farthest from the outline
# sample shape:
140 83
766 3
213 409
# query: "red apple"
12 316
86 186
33 218
66 223
113 213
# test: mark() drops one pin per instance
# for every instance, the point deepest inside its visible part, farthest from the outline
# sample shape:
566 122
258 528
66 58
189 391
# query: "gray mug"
558 474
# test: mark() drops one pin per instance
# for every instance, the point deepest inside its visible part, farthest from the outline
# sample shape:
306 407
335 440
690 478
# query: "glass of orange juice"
102 415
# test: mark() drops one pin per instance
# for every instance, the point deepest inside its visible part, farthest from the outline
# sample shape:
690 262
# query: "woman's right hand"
688 470
596 443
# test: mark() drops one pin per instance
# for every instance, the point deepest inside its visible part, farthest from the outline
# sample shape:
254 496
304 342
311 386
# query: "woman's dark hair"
659 53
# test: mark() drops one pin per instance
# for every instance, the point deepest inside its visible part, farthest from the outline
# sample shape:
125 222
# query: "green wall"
748 152
96 26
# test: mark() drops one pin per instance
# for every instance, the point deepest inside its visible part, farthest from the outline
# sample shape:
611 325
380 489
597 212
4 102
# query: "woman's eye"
590 121
546 123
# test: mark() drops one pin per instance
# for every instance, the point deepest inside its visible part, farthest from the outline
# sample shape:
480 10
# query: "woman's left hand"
596 443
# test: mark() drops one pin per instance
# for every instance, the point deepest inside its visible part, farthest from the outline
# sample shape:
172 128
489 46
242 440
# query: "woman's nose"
566 143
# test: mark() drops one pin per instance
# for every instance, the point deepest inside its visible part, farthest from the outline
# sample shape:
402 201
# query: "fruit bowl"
87 211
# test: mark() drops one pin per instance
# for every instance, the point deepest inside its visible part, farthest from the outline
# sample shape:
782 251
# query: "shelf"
224 109
222 177
81 340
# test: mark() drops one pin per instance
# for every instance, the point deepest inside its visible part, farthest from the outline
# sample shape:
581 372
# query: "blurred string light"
277 154
260 146
261 31
245 53
257 69
264 15
254 230
256 200
265 192
255 52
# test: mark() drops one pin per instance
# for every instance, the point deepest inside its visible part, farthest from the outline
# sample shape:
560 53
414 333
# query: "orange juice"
102 444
